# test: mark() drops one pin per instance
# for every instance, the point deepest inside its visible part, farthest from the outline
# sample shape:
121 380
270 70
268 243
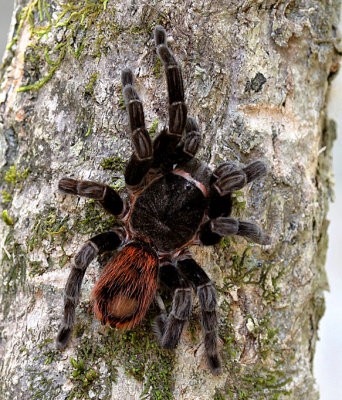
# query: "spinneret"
175 201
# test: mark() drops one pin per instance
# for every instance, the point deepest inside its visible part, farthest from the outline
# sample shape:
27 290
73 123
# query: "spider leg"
169 148
206 293
103 194
98 244
228 177
141 159
177 107
213 230
169 328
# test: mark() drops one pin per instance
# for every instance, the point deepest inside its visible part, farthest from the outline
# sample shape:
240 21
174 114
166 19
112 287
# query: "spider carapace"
175 201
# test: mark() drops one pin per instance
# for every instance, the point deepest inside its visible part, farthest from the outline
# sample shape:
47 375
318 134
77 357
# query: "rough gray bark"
256 76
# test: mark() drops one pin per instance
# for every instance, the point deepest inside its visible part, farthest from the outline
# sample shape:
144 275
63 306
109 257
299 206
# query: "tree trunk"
256 75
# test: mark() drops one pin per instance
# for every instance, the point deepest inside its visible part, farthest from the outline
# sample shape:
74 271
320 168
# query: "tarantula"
175 201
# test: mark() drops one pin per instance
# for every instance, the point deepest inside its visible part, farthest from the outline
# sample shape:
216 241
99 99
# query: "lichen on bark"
256 75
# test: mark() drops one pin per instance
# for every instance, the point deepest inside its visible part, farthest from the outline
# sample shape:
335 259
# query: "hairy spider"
175 201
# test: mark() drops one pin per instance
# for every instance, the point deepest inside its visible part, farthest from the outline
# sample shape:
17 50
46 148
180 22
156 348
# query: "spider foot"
159 35
255 170
226 226
212 355
127 77
63 337
253 232
208 303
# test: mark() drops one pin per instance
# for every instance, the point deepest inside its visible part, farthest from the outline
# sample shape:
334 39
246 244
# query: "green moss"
121 103
146 361
253 381
89 89
136 351
76 17
14 176
47 351
87 26
154 127
193 327
113 164
42 360
241 268
48 225
118 185
81 374
13 179
6 197
6 218
37 268
40 83
247 268
13 268
26 15
267 378
90 127
225 242
218 395
93 219
43 388
239 203
157 68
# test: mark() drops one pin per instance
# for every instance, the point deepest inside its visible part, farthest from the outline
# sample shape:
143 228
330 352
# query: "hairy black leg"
228 177
177 107
166 145
141 159
207 299
103 194
212 231
96 245
169 328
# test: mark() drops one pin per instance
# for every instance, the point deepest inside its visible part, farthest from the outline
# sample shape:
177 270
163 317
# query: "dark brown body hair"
127 286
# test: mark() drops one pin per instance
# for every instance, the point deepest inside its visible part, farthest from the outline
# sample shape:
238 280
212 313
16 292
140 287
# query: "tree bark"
256 75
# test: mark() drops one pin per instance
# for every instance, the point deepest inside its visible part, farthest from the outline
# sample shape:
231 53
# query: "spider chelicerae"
175 201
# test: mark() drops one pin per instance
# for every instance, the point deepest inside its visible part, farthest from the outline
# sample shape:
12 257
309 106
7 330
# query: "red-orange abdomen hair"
127 286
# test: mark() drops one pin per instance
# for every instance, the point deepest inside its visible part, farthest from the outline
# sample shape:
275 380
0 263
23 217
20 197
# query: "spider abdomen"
126 286
169 212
